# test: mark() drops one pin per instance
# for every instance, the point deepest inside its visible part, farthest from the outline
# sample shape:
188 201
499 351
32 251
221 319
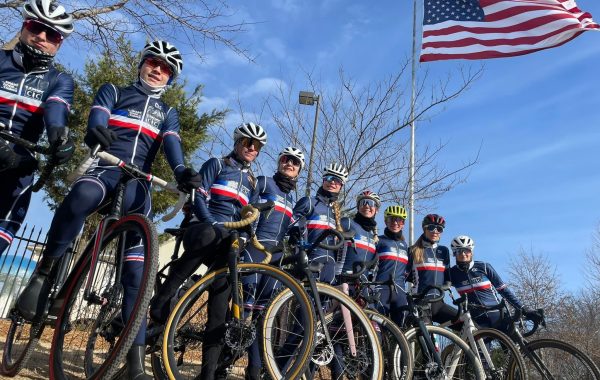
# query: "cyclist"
483 287
131 123
322 212
431 262
394 265
361 248
224 186
34 96
270 230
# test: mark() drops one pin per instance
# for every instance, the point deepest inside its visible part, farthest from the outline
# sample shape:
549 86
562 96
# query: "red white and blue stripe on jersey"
229 189
6 235
119 119
393 255
394 260
434 268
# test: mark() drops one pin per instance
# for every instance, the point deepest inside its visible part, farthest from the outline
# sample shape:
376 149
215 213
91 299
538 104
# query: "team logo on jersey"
33 93
136 114
10 86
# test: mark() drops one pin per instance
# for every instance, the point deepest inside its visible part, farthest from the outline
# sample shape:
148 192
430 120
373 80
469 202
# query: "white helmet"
51 13
294 152
462 242
368 194
251 131
166 52
337 170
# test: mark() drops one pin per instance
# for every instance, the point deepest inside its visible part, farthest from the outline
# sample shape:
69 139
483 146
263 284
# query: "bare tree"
593 260
360 126
100 23
536 281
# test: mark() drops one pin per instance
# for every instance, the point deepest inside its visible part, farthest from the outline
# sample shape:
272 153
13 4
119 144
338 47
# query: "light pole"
309 98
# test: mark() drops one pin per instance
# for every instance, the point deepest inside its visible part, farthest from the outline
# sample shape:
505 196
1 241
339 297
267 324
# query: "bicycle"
498 355
83 303
183 336
427 343
398 360
547 358
345 336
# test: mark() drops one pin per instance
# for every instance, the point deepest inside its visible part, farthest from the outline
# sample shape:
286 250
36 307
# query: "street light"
309 98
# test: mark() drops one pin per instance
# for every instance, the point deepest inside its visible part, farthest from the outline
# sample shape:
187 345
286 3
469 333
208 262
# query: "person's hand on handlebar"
532 315
188 179
99 135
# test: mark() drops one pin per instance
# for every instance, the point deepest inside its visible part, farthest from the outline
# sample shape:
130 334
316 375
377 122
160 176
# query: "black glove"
62 145
295 234
99 135
532 315
188 179
25 165
8 158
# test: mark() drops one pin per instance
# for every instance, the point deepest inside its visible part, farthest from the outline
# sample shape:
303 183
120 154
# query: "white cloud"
264 86
289 6
276 47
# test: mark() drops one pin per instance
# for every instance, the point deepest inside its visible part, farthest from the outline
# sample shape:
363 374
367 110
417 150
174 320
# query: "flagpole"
411 177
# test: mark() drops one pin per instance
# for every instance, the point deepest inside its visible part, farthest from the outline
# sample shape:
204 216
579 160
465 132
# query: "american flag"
480 29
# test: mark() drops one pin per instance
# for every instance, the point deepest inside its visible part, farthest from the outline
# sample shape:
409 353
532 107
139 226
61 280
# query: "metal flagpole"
411 178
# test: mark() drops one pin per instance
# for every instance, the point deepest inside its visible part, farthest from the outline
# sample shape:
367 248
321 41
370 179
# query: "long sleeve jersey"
434 268
141 121
394 261
273 225
30 102
360 248
227 186
482 285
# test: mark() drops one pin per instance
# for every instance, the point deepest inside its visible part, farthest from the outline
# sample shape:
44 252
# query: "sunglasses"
35 27
367 203
396 219
247 142
334 179
289 159
463 251
434 228
157 62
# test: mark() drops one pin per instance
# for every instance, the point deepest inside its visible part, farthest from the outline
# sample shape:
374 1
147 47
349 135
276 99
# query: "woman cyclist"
431 262
131 123
361 248
270 230
223 186
322 212
483 287
394 265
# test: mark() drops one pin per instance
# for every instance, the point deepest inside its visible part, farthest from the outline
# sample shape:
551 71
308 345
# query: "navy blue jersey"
227 186
30 102
482 285
360 248
319 217
141 121
394 261
273 225
434 268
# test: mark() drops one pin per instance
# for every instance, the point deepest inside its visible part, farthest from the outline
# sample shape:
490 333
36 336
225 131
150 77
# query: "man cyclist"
223 186
34 97
131 123
483 287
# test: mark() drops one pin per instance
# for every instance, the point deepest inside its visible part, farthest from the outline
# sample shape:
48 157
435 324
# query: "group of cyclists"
132 123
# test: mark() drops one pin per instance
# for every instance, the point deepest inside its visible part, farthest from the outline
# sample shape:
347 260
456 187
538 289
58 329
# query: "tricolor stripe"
137 125
474 287
229 192
438 267
395 256
318 225
369 247
6 235
27 104
284 209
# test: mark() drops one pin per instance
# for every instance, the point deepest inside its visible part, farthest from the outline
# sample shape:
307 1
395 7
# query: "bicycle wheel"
499 356
87 343
553 359
21 340
183 340
459 362
354 351
398 360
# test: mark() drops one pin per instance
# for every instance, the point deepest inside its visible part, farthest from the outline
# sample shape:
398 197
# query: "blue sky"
535 117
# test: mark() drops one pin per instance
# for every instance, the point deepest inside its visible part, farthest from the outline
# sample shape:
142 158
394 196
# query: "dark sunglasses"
332 178
36 27
156 62
367 202
247 142
396 219
433 227
288 159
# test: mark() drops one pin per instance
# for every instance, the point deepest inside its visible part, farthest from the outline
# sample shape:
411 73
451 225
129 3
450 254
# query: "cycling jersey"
433 270
360 249
227 186
29 102
319 217
482 286
273 225
141 121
